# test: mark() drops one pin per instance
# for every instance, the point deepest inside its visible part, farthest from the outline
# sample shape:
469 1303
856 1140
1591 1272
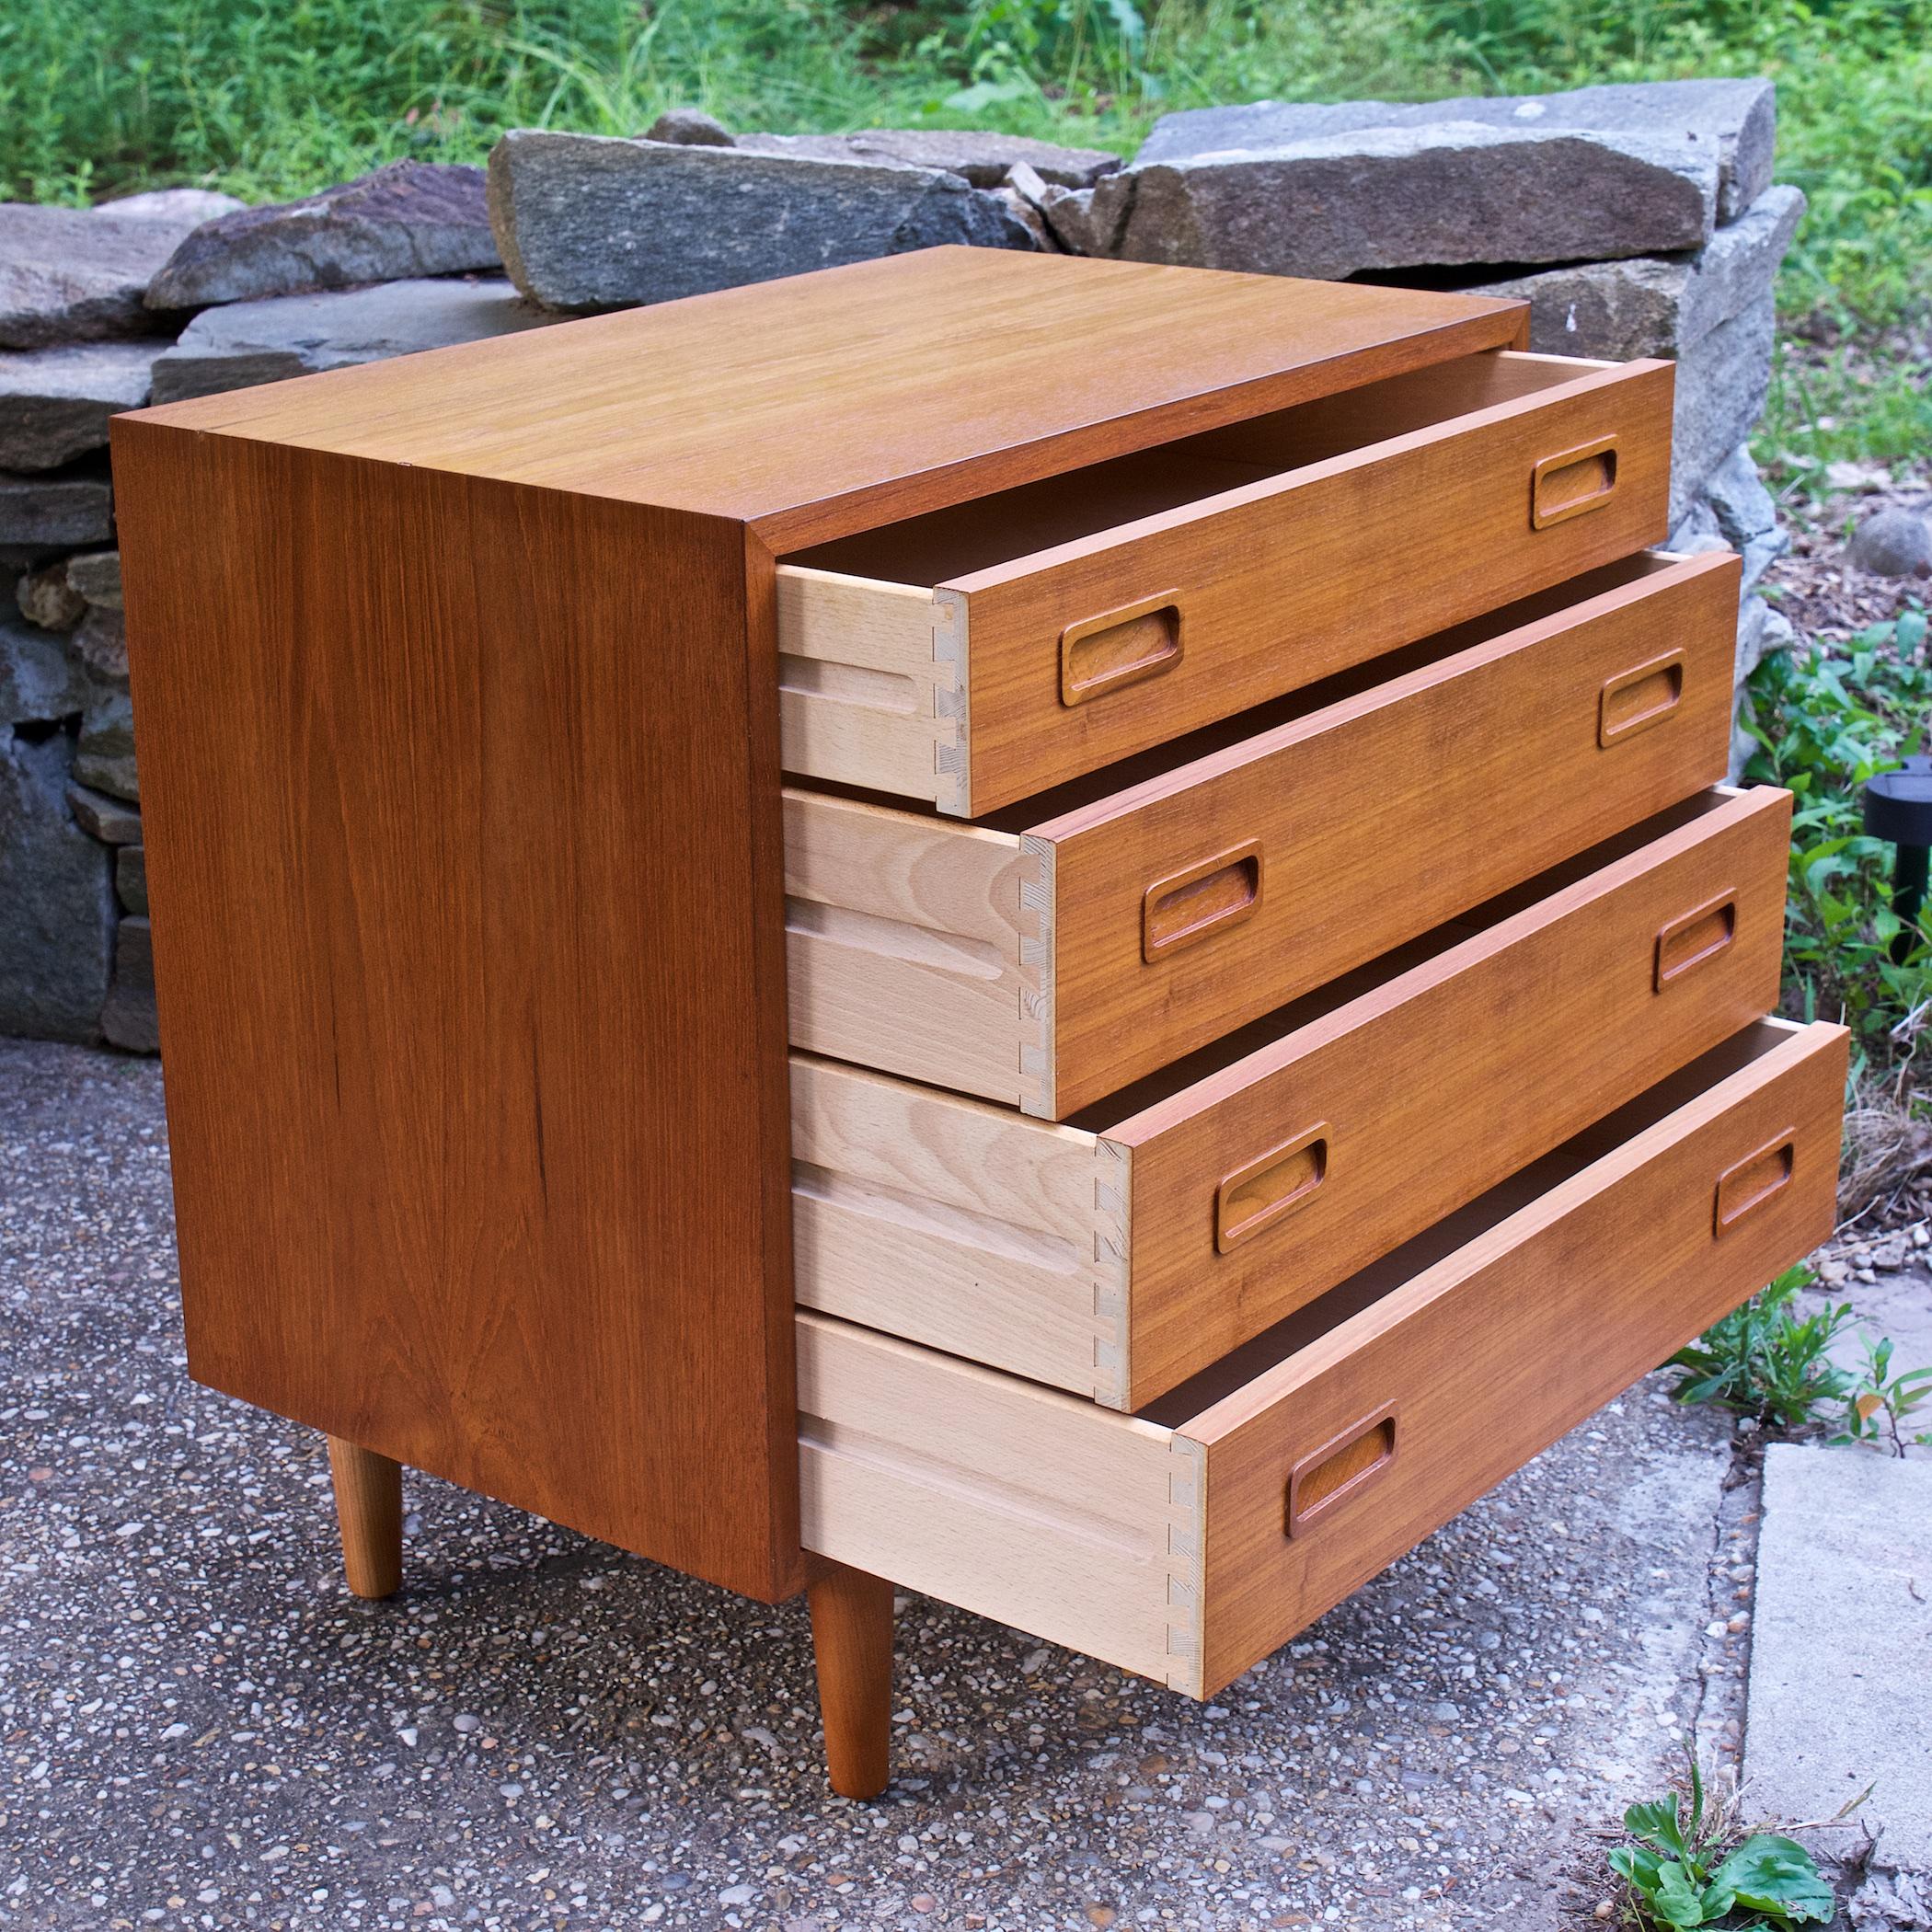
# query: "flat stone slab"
1651 305
251 342
1337 205
1841 1659
1732 122
409 219
78 274
980 158
586 223
54 512
54 403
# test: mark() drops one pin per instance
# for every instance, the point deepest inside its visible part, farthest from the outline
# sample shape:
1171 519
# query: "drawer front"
1119 1257
1259 1187
1095 651
1190 1541
1485 1359
1192 904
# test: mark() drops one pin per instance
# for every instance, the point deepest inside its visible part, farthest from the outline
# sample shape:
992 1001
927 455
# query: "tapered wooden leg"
369 1508
852 1640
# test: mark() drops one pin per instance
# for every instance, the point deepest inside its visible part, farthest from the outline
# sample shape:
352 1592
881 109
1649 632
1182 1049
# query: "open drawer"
1117 1254
1188 1541
977 655
1048 957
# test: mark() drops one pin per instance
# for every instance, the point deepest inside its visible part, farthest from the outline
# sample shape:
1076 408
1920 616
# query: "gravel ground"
201 1727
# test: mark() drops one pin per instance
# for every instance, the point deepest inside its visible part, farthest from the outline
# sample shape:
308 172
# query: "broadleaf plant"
1686 1873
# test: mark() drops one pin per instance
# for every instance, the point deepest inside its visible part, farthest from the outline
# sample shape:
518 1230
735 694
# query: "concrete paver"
199 1727
1841 1665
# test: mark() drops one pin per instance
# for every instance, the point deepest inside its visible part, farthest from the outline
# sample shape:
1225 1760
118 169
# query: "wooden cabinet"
1058 931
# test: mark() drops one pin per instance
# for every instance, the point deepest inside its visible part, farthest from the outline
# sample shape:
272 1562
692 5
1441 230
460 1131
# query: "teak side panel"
1445 1081
471 980
1355 555
823 404
1375 819
1495 1352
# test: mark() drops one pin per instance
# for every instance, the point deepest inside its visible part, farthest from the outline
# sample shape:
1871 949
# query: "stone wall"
1636 221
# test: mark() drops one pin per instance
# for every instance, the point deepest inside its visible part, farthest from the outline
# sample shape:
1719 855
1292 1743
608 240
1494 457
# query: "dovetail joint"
950 753
1187 1499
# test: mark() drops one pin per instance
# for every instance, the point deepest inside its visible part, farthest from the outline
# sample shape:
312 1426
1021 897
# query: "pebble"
199 1711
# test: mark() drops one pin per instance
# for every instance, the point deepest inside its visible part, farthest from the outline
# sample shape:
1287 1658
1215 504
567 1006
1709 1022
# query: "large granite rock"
39 681
1335 205
53 513
586 223
1730 122
112 821
980 158
249 343
56 884
412 218
54 403
78 274
1722 386
1652 306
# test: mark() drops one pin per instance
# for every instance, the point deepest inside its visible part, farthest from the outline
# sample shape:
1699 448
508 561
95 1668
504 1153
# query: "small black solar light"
1898 809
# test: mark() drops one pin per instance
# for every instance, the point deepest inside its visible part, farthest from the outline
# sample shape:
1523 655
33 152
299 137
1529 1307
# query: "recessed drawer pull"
1695 937
1320 1483
1568 484
1204 900
1755 1179
1257 1196
1120 648
1635 700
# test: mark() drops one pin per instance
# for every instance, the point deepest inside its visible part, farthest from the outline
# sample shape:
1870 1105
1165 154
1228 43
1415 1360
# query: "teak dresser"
1061 931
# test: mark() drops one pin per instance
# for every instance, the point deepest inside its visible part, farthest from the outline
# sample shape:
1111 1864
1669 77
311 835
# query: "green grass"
272 98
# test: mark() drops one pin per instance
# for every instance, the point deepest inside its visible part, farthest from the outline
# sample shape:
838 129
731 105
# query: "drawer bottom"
1191 1539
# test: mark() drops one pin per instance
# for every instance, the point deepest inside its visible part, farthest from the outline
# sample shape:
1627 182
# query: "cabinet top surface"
833 402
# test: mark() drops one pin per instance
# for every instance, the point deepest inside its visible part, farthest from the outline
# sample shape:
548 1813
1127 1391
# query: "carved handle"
1635 700
1258 1195
1342 1467
1572 483
1754 1179
1189 906
1695 937
1120 648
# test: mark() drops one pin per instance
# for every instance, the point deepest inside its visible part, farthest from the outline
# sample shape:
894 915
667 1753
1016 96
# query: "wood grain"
369 1514
1556 1007
1498 1349
918 946
852 1648
1466 776
1016 1502
1010 961
1088 1256
472 980
1158 1543
964 1226
1308 508
833 402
